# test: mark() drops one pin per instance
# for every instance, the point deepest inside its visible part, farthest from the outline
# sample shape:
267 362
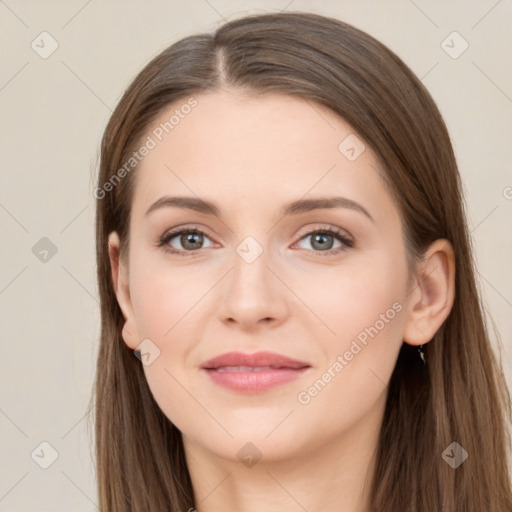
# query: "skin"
251 155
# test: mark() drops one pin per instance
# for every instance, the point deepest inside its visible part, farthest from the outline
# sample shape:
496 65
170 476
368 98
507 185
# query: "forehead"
265 149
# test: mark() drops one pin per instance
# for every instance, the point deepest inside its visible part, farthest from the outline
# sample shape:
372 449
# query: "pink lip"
282 369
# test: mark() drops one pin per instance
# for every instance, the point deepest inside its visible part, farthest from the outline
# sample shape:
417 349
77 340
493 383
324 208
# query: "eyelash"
324 230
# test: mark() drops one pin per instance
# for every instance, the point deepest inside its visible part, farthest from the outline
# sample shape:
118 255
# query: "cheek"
364 311
166 303
353 297
352 383
164 296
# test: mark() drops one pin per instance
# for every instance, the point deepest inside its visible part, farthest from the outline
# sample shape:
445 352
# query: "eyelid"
187 227
326 227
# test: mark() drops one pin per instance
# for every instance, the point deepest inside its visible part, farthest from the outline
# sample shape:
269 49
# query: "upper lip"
258 359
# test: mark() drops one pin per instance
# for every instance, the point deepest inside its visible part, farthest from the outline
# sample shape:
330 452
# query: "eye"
190 239
323 240
186 240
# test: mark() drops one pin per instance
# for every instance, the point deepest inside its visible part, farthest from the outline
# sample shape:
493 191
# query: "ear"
432 295
120 282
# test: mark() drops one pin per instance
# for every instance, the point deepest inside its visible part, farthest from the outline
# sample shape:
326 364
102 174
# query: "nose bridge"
252 292
250 272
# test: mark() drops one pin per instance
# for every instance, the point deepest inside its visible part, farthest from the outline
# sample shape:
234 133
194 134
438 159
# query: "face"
324 285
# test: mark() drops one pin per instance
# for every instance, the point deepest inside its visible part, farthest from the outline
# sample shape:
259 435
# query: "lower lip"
251 382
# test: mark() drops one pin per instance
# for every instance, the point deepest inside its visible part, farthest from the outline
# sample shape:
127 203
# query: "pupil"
195 239
323 244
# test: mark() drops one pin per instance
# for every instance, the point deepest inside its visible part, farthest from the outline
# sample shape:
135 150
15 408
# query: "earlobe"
432 297
122 291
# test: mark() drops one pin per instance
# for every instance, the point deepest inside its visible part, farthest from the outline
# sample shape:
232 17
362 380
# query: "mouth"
246 368
253 373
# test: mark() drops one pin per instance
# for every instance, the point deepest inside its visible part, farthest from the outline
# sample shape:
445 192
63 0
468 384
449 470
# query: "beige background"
53 113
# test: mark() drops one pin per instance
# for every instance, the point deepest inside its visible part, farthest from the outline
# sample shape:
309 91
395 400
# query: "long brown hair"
460 395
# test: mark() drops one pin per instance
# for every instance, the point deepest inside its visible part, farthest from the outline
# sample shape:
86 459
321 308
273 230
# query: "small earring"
422 354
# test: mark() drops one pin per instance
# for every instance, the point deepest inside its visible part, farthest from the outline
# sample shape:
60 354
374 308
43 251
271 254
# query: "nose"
253 295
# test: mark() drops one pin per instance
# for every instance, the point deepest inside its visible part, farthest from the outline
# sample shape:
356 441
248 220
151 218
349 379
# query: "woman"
281 242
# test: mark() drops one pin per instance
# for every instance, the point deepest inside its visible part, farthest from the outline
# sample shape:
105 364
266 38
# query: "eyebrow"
294 208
